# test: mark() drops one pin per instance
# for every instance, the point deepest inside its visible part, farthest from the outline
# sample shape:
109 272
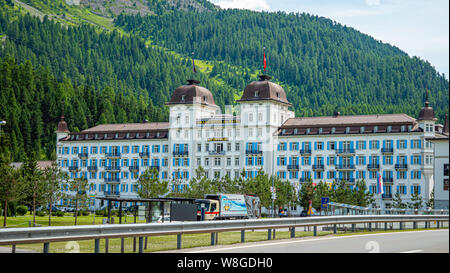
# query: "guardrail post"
385 225
292 232
106 245
401 226
243 236
437 224
122 245
97 246
273 237
334 228
370 226
213 239
269 234
353 227
426 224
179 241
315 230
414 225
141 244
46 247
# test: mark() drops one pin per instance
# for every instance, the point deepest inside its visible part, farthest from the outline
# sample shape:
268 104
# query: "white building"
260 132
441 167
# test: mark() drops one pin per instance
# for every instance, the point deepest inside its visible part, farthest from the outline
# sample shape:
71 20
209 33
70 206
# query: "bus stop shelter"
149 202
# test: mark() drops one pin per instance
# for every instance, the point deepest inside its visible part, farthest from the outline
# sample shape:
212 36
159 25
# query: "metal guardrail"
14 236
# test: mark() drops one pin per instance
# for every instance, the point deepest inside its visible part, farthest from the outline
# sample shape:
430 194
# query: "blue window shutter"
411 143
370 189
412 189
315 175
290 160
420 143
303 145
315 160
328 174
278 161
173 162
419 189
279 147
328 145
290 146
290 175
412 157
420 174
384 160
298 145
315 145
328 160
398 143
340 144
303 161
352 146
188 162
420 159
384 143
262 161
398 159
406 143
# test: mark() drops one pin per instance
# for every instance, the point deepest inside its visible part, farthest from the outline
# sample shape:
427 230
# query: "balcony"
181 153
216 152
304 179
113 155
144 154
345 166
92 168
113 168
112 180
401 166
73 168
387 150
154 167
111 193
388 179
347 151
386 196
133 168
318 167
253 152
83 155
373 166
293 167
347 180
305 151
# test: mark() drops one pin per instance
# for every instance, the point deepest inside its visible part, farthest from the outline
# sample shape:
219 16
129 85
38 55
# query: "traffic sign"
325 201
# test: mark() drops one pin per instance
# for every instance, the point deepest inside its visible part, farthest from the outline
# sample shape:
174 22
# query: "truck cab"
211 208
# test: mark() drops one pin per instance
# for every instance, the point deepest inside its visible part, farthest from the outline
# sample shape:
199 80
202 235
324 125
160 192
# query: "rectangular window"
319 145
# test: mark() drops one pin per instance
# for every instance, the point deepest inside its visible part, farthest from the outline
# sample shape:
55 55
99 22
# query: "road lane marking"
413 251
300 240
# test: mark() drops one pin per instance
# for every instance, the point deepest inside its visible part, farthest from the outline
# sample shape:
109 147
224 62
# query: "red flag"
265 64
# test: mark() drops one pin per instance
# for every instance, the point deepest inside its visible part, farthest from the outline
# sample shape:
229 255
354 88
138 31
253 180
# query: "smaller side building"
441 167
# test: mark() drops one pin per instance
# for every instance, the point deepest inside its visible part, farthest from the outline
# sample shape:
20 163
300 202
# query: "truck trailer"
228 206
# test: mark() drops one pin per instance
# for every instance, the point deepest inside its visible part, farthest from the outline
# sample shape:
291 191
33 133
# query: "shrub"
60 213
22 210
85 213
40 213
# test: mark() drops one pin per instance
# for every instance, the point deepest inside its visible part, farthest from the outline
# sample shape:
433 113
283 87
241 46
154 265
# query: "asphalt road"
434 241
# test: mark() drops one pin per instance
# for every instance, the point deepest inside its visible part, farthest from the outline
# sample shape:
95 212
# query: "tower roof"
264 89
185 94
62 126
427 112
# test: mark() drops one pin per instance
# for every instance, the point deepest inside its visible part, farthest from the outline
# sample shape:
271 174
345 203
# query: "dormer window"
333 130
361 129
295 131
308 130
183 97
205 99
347 130
278 94
283 131
403 128
375 129
389 128
256 94
409 128
320 130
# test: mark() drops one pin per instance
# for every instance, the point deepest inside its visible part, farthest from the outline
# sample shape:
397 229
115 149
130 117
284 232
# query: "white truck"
228 206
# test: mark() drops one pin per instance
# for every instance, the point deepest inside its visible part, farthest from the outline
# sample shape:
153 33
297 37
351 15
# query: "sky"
418 27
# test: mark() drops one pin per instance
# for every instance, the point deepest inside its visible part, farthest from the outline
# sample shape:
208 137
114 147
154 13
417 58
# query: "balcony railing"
180 153
373 166
318 167
113 168
133 168
83 155
253 152
348 180
305 151
304 179
345 166
293 167
388 179
386 196
112 180
387 150
216 152
144 154
401 166
92 168
111 193
345 151
73 168
154 167
112 155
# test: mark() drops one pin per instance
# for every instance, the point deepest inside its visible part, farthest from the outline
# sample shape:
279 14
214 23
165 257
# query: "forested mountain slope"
103 68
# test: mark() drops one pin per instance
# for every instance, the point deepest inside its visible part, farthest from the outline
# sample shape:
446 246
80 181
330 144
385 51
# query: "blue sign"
325 201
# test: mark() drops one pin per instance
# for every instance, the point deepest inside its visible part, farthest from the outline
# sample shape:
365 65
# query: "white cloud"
258 5
373 2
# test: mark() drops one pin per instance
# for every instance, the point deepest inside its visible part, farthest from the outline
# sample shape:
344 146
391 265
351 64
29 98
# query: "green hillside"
107 68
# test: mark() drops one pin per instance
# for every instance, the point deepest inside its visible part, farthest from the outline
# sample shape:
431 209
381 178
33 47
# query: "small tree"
150 186
416 201
430 202
80 198
12 187
53 180
306 193
398 201
35 188
360 195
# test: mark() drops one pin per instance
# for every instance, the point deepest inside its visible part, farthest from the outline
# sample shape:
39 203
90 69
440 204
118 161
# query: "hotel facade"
259 132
